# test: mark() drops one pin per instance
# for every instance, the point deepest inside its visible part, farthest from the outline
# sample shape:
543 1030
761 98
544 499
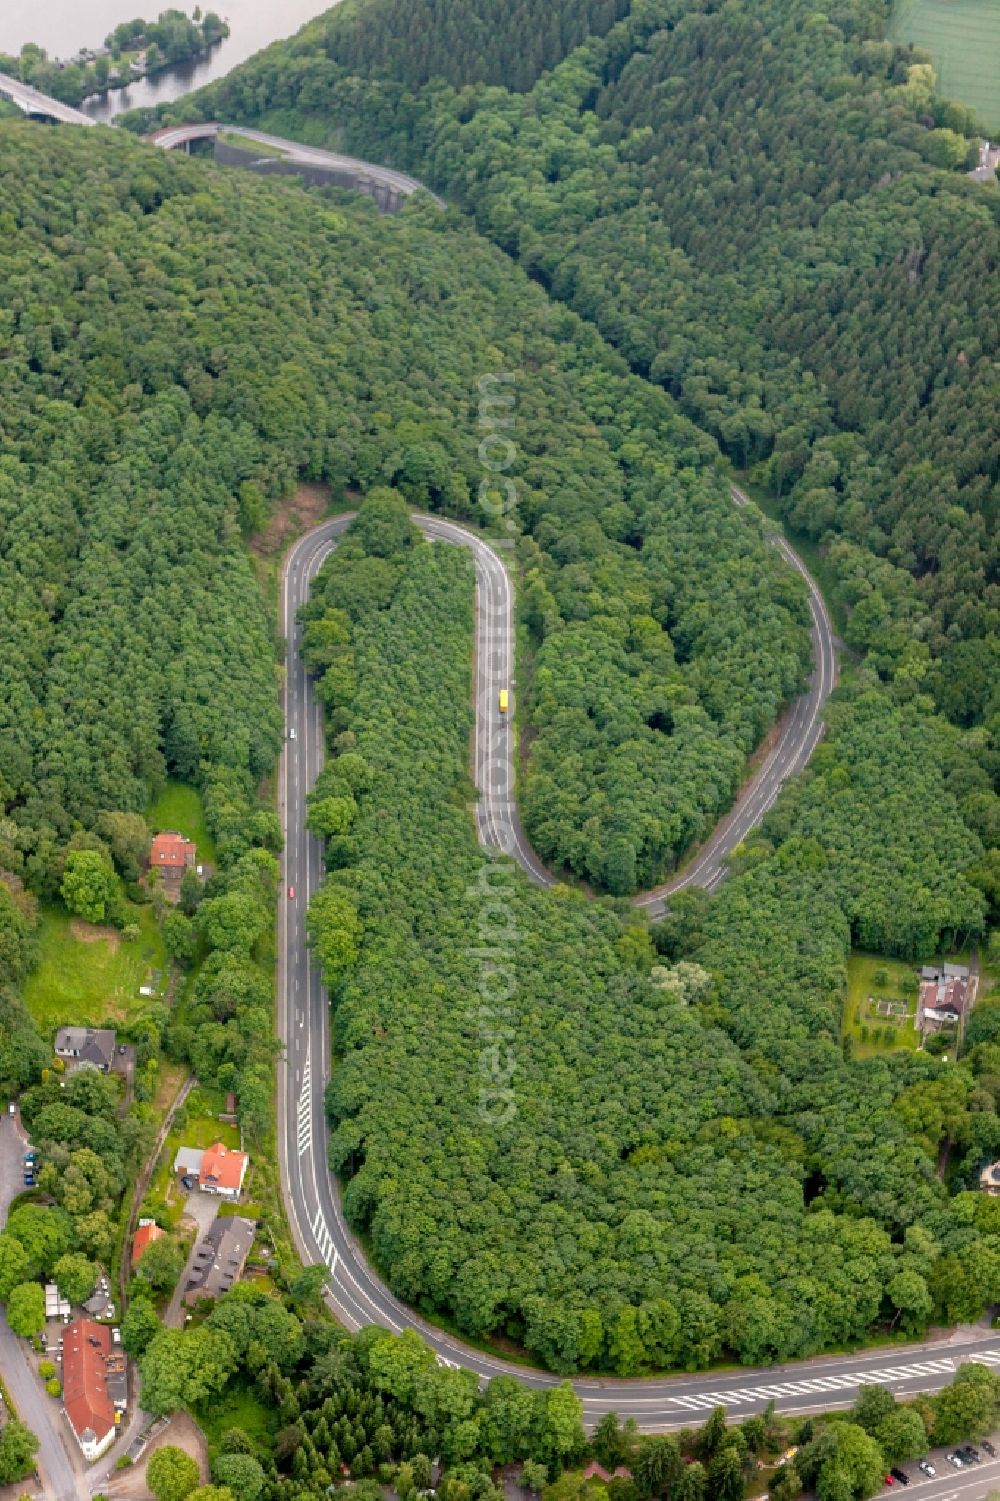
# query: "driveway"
13 1145
202 1209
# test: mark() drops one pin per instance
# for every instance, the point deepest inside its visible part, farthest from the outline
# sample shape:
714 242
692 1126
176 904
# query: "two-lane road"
170 137
800 733
356 1293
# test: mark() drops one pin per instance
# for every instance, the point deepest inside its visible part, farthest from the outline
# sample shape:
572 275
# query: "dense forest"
464 41
522 1165
764 209
155 414
656 1151
359 1413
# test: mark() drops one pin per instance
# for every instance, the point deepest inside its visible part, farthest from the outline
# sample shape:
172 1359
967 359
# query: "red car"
291 893
889 1480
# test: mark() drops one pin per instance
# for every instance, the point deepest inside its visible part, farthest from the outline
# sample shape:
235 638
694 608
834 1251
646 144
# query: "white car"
291 733
953 1459
927 1468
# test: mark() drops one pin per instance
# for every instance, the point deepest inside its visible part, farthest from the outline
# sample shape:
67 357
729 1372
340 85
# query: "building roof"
147 1232
220 1258
88 1402
188 1160
171 851
56 1303
948 1014
90 1044
223 1168
595 1470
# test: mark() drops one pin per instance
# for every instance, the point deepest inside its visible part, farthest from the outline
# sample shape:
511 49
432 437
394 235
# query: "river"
62 27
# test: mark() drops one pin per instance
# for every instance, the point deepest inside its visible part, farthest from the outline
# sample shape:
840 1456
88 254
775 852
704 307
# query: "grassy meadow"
963 38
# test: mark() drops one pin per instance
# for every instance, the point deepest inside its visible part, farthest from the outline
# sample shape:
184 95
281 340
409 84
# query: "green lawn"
89 983
179 808
963 38
858 1013
237 1407
194 1126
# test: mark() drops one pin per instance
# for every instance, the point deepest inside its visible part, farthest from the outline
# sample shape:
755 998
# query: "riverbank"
133 51
64 28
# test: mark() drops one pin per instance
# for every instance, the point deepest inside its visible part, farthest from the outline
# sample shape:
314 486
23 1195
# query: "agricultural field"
89 976
881 1004
963 38
178 807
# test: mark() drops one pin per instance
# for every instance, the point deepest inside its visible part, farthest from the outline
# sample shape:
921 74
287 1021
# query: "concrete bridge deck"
39 106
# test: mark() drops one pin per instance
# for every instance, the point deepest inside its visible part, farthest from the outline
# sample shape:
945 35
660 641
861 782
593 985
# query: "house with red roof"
594 1471
144 1236
172 852
222 1170
95 1386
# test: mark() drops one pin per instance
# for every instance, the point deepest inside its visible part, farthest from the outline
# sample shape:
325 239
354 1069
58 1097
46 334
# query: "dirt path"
143 1184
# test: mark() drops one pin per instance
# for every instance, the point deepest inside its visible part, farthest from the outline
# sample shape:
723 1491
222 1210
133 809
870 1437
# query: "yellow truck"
504 701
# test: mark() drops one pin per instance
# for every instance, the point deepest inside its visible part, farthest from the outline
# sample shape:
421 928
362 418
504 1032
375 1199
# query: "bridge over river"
39 106
250 148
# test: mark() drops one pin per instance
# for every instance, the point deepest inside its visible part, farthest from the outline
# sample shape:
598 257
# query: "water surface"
62 27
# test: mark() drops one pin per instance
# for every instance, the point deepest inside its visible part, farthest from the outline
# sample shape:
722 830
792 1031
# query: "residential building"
947 992
172 852
223 1170
95 1387
218 1169
594 1471
989 1179
85 1047
220 1258
147 1232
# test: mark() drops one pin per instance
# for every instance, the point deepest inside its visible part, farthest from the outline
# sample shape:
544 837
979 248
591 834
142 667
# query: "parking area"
13 1145
964 1472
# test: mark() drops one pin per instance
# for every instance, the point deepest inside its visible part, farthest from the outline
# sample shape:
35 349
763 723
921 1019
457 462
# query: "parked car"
928 1469
31 1156
29 1180
889 1480
900 1475
12 1108
187 1183
969 1454
956 1460
989 1448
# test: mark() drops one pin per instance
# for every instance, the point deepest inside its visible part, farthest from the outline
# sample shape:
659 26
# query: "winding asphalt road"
356 1293
800 733
172 136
